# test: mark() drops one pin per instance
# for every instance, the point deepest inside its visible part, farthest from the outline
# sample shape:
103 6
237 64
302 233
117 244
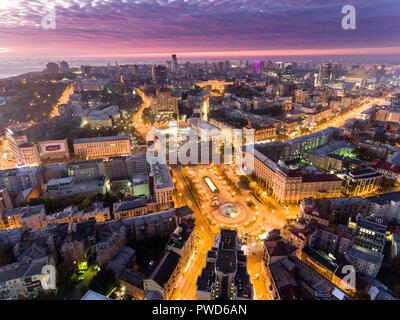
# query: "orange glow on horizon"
241 53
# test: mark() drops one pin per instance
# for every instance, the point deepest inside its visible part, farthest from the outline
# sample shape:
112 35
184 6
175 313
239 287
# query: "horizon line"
243 53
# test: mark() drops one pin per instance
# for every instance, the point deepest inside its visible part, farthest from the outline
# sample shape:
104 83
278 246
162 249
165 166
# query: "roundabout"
230 213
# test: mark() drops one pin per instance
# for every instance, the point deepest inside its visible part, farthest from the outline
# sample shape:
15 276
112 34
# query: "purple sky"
153 28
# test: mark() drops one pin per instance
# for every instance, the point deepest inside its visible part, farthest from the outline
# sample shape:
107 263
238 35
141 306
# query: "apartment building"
66 187
164 275
361 182
297 147
180 250
86 170
225 276
73 249
144 227
331 240
137 207
163 185
29 217
102 146
107 249
325 266
116 168
276 249
20 138
53 149
370 233
386 205
311 208
164 103
72 214
28 154
261 133
291 279
23 279
365 261
137 163
291 186
15 180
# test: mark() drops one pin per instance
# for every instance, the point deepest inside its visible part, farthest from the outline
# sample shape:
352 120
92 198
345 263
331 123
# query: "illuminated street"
257 220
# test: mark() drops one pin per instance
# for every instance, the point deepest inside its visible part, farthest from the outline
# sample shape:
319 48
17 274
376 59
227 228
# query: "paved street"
258 219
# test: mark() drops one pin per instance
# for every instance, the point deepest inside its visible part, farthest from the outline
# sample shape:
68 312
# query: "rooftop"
207 277
101 139
385 198
320 177
365 254
22 269
162 177
25 212
91 295
320 258
129 205
278 247
165 267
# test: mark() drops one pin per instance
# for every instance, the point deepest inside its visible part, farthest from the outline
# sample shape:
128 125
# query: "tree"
361 295
395 264
6 255
396 289
346 164
64 278
250 203
386 184
103 282
245 180
364 154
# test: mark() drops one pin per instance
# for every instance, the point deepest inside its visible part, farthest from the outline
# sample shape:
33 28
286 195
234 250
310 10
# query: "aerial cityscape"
199 164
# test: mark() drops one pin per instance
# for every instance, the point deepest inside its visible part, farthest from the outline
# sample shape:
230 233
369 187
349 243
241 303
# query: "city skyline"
193 29
200 150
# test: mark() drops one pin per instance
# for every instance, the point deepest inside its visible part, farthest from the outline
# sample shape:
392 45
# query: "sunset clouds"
137 27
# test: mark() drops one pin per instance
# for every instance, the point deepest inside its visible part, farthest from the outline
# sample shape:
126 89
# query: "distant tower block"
257 66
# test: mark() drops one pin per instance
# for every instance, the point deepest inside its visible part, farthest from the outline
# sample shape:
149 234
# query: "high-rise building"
287 72
164 103
257 66
174 64
64 67
52 67
225 275
227 65
379 72
159 74
135 70
325 73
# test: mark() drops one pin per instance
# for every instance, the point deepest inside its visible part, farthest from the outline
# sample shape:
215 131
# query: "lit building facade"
361 182
102 146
